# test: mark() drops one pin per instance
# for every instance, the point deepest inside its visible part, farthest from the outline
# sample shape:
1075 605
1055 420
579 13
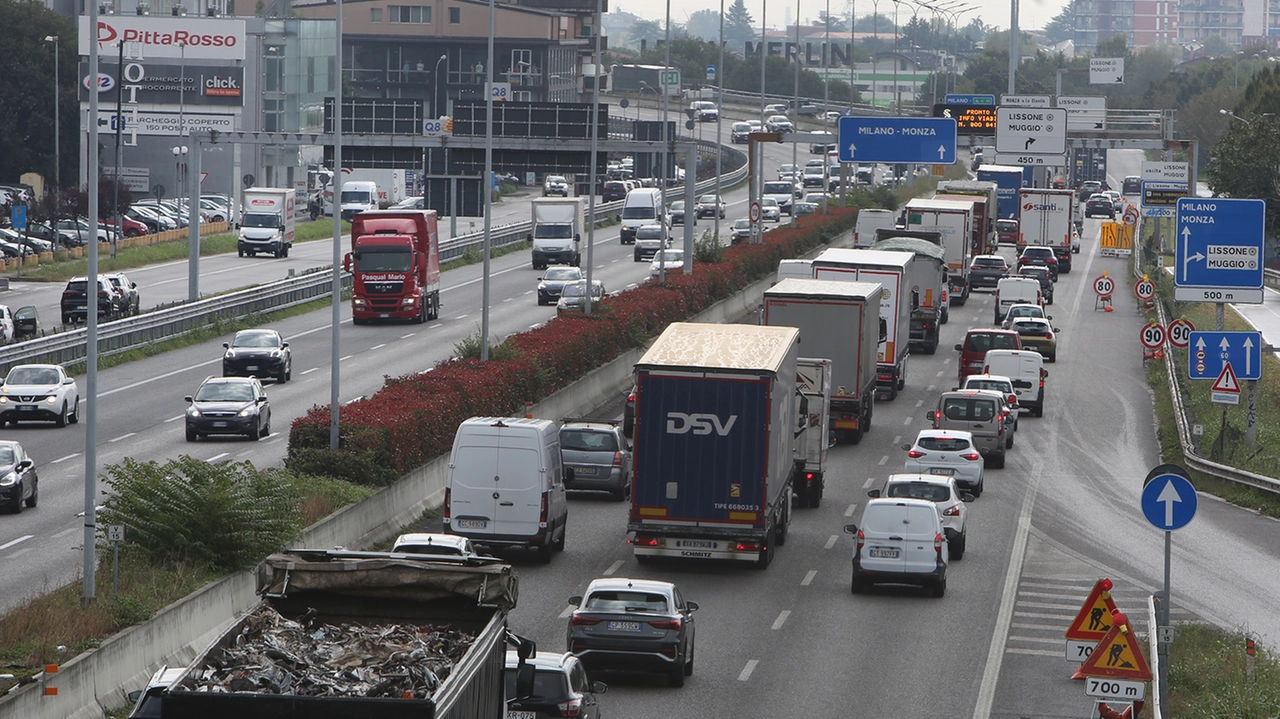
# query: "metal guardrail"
1271 278
124 334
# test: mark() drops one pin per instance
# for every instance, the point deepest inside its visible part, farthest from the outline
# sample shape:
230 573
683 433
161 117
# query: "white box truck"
362 189
892 271
557 231
954 221
266 224
1046 219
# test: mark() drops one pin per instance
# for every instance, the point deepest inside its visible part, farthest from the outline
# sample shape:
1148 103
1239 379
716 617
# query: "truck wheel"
939 588
932 347
544 552
564 534
782 526
766 554
856 585
853 436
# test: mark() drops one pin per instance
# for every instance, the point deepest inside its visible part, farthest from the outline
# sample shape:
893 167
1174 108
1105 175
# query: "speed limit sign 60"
1180 332
1104 286
1152 335
1144 289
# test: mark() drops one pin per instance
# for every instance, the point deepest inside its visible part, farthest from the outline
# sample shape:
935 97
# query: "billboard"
150 83
190 36
164 123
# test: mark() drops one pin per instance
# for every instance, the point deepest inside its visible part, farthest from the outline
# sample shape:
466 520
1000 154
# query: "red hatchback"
973 351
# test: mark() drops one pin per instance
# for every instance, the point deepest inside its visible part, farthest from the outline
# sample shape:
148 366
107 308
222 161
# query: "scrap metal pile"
276 655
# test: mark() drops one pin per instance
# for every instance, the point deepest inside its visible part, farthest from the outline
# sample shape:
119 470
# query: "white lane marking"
883 460
613 261
460 317
353 399
217 457
19 540
508 299
746 671
67 531
930 388
307 372
526 294
166 375
808 576
848 512
435 327
940 373
20 552
567 611
947 360
405 337
919 403
174 419
123 436
534 327
896 439
63 459
831 541
782 619
377 347
344 359
866 485
906 420
613 568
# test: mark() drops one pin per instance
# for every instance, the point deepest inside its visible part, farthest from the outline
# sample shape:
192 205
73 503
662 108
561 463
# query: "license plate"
82 307
26 408
252 367
624 626
696 544
945 471
521 715
584 471
219 424
884 553
472 523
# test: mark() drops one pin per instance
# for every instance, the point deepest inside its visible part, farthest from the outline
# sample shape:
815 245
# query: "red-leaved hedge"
412 419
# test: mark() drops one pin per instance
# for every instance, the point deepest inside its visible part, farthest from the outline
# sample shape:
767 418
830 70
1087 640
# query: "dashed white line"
123 436
746 671
435 327
526 294
883 460
460 317
174 419
217 457
831 541
307 372
906 420
567 611
848 512
782 619
67 531
405 337
508 299
930 388
378 347
536 326
20 552
940 372
613 568
353 399
896 439
344 359
919 403
809 575
19 540
867 485
63 459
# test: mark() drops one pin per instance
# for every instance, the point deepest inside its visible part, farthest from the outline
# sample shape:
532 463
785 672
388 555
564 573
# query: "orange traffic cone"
1108 308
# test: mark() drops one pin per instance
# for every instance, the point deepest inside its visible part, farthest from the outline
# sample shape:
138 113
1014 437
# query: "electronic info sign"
970 119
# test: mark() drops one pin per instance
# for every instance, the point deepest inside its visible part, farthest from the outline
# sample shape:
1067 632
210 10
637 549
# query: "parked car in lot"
946 453
560 688
899 541
19 482
597 453
636 625
946 496
260 353
39 392
552 282
228 405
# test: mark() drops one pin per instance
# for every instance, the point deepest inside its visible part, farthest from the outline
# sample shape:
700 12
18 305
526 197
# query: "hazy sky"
1032 13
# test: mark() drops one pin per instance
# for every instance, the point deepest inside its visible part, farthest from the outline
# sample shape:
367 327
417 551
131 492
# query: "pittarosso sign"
191 36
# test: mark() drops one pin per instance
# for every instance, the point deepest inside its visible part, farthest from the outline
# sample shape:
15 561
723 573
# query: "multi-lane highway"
790 640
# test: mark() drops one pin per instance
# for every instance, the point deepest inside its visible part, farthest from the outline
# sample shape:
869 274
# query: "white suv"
39 392
946 497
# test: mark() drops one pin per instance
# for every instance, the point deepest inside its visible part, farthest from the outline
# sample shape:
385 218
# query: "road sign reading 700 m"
897 139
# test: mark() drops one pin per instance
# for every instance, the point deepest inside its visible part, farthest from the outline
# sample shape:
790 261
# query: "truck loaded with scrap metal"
395 263
716 415
351 635
839 321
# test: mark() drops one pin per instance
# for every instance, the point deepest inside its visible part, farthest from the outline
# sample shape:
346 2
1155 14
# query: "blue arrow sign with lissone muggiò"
1219 248
897 139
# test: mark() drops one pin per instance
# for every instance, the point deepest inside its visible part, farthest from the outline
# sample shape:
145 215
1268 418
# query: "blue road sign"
711 72
1220 243
1169 502
897 139
1210 352
987 100
18 217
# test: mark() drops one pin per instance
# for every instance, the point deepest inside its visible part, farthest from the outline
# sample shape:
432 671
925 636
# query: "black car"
19 484
560 688
75 300
1040 273
257 353
613 190
676 213
986 270
739 132
1042 256
229 405
1132 185
552 283
1088 188
1099 204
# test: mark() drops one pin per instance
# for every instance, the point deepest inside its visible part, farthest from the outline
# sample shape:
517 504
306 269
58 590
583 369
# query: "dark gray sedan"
19 485
635 625
552 283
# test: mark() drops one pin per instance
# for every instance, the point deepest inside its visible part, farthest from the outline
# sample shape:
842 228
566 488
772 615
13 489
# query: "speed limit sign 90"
1152 335
1144 289
1180 332
1104 286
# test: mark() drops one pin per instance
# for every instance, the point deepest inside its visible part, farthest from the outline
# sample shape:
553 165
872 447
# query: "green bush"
708 248
356 466
228 515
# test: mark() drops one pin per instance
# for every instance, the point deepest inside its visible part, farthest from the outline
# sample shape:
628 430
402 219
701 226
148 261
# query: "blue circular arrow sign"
1169 501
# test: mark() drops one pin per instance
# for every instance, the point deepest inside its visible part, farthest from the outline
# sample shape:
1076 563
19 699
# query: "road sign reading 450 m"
1031 130
897 139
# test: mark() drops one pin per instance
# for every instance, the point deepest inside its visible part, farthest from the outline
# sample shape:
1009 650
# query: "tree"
1215 46
646 32
1062 27
738 25
28 91
705 24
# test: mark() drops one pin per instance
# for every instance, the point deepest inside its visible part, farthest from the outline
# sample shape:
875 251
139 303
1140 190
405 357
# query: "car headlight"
407 302
192 411
248 411
358 302
4 399
9 479
52 399
276 354
231 354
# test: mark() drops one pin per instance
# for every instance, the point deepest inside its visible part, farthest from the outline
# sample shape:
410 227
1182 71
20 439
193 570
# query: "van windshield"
351 197
640 212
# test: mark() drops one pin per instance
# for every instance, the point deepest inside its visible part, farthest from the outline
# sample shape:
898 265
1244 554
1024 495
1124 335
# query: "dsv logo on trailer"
698 423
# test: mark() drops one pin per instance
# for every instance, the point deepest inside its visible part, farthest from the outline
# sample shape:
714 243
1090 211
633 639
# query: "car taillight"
580 621
672 624
986 369
808 476
937 543
571 708
748 546
1048 335
448 511
952 511
862 539
915 454
971 456
645 541
542 514
631 397
884 377
617 459
1013 399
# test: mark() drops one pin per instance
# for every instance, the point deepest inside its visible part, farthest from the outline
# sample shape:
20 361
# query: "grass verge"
1209 676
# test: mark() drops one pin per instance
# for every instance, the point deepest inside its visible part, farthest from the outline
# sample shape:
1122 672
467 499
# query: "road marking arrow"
1248 356
852 149
1200 343
942 152
1168 497
1030 141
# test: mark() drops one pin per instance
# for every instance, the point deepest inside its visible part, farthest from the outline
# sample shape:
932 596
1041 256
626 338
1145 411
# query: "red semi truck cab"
395 260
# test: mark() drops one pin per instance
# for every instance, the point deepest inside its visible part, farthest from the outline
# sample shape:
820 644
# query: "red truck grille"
384 288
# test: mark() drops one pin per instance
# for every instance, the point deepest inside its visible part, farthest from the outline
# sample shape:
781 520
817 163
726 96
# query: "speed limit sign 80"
1104 286
1144 289
1152 335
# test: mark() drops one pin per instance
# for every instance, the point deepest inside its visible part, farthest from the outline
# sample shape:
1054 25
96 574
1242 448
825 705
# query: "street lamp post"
57 124
439 102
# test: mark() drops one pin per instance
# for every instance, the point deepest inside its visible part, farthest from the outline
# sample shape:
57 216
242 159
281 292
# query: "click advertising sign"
164 84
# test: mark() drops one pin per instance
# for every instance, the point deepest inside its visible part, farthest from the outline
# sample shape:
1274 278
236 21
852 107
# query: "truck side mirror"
884 329
524 680
346 267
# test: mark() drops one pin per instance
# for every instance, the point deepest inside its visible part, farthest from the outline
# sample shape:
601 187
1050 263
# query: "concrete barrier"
99 679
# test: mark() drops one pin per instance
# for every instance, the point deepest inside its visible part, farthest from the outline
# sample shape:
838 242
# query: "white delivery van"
358 196
506 484
799 269
642 206
870 220
1012 291
1026 369
900 541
